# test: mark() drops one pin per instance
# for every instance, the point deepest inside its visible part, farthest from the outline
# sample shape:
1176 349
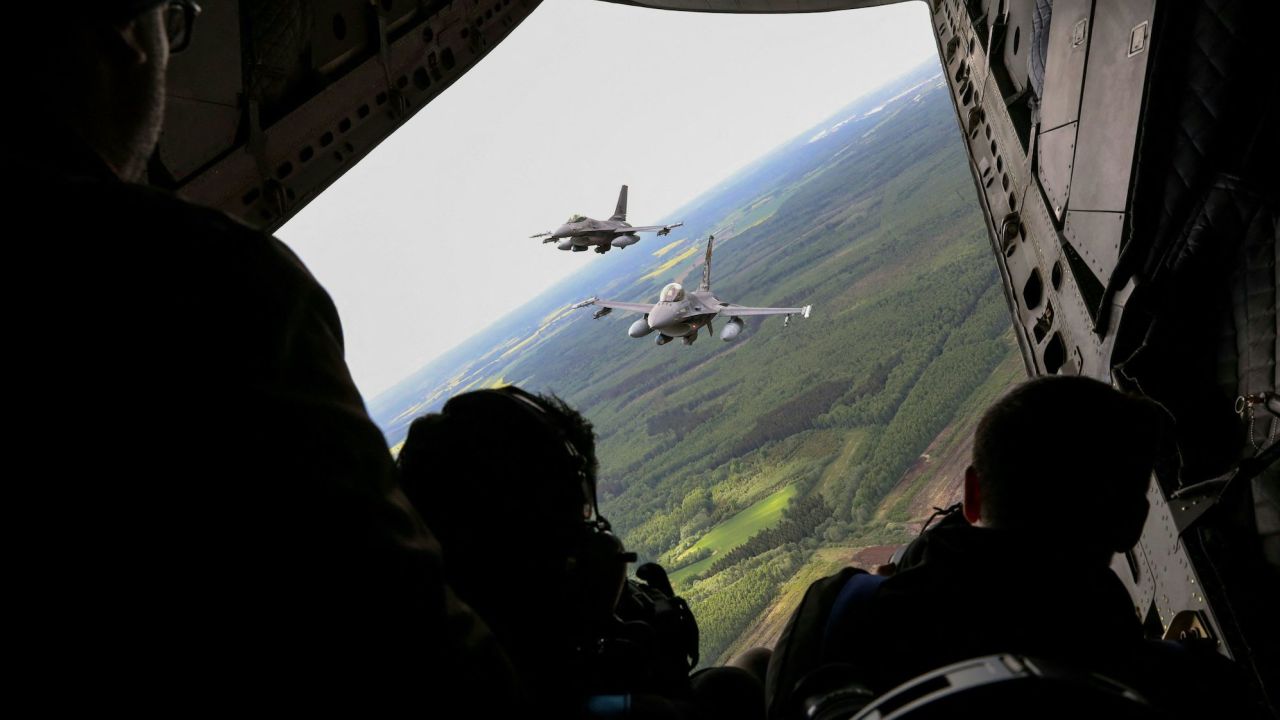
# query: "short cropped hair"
1068 453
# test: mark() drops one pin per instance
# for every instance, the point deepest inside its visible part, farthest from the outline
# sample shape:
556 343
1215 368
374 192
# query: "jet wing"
660 229
613 305
742 311
582 231
630 307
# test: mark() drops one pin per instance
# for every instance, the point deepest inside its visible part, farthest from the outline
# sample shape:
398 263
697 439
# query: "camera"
652 644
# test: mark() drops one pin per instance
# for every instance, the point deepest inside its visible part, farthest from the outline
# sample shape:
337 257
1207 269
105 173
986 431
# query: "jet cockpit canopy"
576 218
673 292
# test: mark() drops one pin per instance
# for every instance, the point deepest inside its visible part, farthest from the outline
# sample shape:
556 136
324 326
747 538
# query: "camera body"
651 644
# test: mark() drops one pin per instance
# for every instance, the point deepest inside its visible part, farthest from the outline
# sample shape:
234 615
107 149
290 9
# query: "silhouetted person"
508 482
1058 484
206 509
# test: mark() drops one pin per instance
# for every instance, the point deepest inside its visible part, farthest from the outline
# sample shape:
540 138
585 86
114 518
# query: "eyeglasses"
179 18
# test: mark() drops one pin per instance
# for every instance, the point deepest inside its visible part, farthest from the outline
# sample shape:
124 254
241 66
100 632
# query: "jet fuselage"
579 234
681 318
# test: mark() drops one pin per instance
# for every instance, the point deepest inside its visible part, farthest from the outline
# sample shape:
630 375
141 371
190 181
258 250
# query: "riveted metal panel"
1064 66
1096 236
1111 105
1057 150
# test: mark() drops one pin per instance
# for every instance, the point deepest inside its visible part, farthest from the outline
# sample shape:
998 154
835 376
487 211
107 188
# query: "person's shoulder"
206 262
214 233
834 582
218 254
146 224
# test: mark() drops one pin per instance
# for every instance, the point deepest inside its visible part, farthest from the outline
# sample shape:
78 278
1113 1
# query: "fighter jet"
580 232
678 314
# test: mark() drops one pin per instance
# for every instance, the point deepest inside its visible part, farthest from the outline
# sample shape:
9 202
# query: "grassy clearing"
674 261
668 247
841 467
736 530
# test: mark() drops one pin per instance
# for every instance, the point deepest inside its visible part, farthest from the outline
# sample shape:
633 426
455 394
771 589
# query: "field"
735 531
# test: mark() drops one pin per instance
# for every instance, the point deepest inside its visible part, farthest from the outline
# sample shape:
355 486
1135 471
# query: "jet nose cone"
660 316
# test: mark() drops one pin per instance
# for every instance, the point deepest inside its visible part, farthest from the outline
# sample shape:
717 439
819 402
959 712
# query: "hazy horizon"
373 238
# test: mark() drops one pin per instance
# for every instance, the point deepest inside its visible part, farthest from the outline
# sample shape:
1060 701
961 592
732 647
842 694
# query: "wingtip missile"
666 229
584 303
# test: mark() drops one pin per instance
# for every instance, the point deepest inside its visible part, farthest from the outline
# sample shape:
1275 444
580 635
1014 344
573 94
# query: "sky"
426 241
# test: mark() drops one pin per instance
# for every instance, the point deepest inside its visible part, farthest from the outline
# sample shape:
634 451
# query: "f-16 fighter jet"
678 314
580 232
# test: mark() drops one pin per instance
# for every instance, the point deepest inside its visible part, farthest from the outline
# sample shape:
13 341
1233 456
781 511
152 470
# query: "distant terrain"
752 468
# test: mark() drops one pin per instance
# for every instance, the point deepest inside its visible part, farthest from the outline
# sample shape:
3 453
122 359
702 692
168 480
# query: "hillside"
751 468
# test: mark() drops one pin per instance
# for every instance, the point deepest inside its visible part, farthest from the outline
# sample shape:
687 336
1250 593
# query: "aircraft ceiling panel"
1064 66
274 101
1111 104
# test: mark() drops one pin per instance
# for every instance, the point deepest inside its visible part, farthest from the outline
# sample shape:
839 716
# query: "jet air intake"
624 240
730 331
565 244
640 328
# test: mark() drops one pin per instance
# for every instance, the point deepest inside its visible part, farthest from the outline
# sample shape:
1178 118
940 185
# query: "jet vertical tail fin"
620 212
706 265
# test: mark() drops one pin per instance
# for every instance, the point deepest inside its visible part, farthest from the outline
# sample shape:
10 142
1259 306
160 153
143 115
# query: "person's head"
1067 459
506 481
102 73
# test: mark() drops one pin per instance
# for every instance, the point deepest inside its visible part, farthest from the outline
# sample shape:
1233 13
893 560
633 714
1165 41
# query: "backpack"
800 673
